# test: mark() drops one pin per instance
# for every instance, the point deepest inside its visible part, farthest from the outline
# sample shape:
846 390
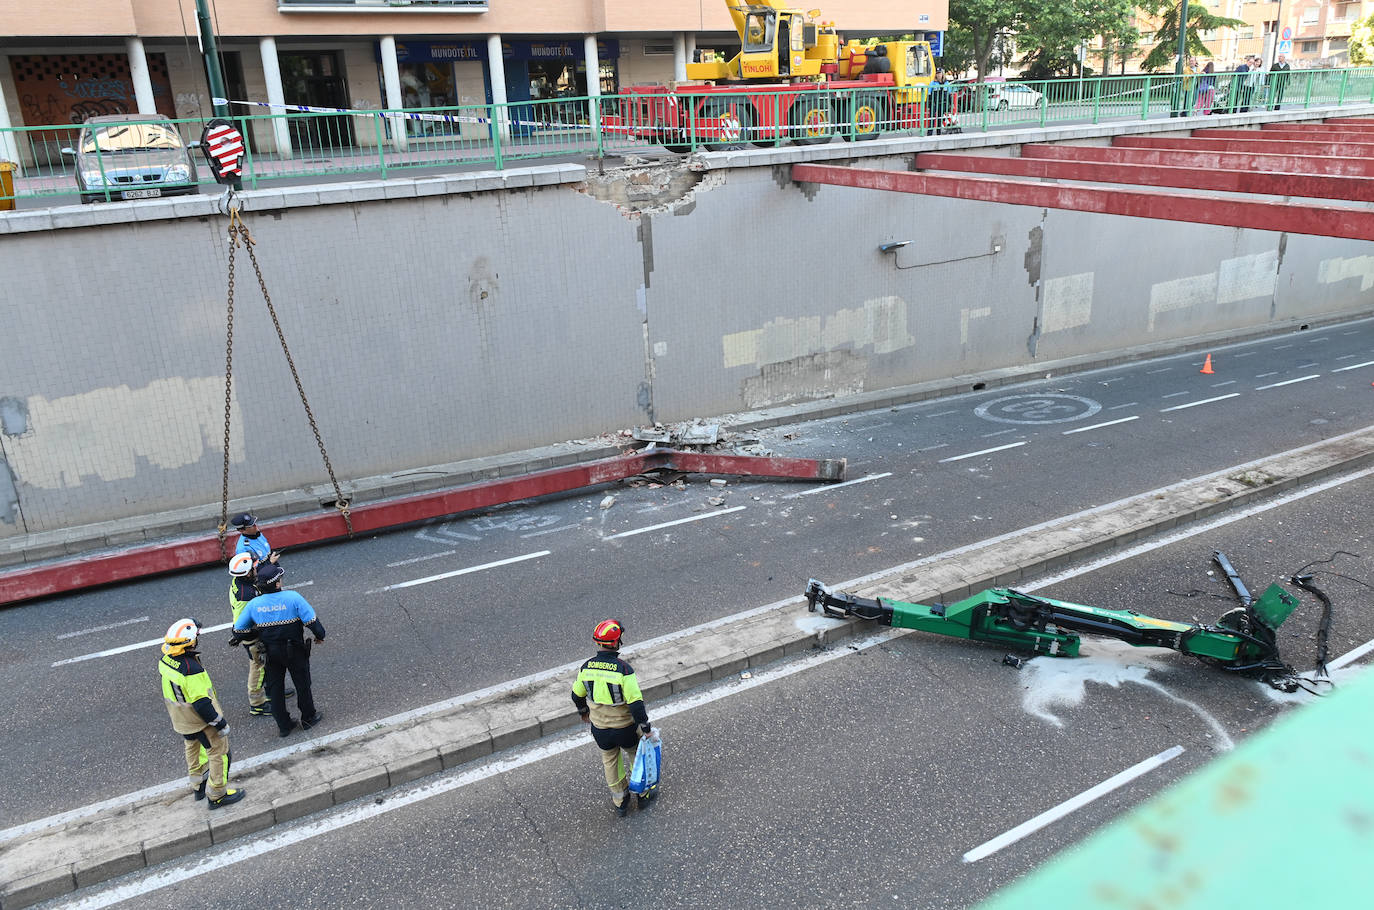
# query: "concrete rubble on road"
56 860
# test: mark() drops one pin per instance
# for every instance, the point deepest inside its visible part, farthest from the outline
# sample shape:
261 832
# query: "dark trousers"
295 657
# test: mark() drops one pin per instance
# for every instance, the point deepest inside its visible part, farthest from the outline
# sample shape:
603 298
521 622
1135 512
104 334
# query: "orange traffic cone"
1207 365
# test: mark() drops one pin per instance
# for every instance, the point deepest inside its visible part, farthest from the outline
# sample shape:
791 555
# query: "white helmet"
241 565
181 636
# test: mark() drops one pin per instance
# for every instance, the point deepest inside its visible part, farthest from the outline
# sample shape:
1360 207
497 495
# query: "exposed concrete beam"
1338 149
1291 164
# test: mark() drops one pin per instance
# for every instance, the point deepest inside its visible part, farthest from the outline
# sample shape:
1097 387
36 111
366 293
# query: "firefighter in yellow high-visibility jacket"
196 714
606 693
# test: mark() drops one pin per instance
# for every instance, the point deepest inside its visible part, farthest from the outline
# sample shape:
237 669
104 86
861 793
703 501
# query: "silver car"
133 156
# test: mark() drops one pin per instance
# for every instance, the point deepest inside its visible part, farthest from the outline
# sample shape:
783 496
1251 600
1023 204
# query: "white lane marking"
848 483
1354 366
1193 404
1160 370
1275 385
1110 381
669 524
304 584
1001 432
1315 340
113 625
1010 445
945 413
1348 357
407 562
133 647
869 426
943 445
1098 426
1217 385
370 807
1280 347
1175 394
1049 816
449 534
456 572
1129 404
1245 354
512 685
1351 656
1266 375
550 531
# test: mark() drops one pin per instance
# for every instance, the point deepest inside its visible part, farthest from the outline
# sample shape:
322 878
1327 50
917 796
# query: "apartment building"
62 63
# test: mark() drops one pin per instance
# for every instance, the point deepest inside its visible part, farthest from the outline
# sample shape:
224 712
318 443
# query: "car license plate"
142 194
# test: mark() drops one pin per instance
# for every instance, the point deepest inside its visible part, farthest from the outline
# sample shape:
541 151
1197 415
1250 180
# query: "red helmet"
607 633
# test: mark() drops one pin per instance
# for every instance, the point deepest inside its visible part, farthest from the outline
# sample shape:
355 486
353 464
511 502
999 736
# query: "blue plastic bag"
648 762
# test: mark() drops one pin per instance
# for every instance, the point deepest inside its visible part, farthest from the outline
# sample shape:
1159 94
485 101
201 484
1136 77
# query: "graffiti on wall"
72 88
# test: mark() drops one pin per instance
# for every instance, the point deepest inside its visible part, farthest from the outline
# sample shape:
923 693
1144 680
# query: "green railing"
305 145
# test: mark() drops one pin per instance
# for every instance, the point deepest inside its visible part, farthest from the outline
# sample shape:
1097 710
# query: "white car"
1012 94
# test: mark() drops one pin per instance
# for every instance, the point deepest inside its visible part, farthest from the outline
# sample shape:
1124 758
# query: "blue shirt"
258 546
275 609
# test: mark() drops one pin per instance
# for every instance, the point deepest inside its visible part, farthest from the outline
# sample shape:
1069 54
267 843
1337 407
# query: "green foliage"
1362 42
1049 32
974 27
1200 19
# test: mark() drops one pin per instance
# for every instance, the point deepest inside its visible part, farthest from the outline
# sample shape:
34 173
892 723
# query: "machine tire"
1003 105
865 118
811 122
734 120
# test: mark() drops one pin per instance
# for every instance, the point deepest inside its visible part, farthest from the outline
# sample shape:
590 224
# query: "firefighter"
241 591
196 714
279 618
253 541
607 696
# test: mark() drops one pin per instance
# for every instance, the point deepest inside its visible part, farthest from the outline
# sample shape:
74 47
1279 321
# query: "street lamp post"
1182 37
210 50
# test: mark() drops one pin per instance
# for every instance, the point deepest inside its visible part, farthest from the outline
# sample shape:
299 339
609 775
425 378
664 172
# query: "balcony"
382 6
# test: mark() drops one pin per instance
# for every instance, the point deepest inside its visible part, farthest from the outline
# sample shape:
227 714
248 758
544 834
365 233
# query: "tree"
1056 30
974 30
1199 19
1362 42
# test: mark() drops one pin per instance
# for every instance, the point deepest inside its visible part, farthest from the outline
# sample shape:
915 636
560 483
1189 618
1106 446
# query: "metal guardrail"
326 143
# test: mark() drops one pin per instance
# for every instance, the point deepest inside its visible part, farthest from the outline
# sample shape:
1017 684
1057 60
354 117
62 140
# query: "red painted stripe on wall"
1290 164
1336 149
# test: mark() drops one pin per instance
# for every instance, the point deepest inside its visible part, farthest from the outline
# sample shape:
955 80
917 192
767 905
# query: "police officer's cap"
244 520
269 573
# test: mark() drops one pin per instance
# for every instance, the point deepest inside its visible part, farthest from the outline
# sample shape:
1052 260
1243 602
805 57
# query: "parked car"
973 95
132 156
1013 94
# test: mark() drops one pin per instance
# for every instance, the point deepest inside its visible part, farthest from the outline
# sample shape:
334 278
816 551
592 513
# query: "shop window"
1307 47
425 86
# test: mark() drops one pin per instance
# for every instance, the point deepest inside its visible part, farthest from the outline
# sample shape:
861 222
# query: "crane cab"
775 44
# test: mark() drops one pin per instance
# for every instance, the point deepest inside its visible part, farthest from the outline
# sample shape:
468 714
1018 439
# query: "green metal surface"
1286 820
1275 605
497 136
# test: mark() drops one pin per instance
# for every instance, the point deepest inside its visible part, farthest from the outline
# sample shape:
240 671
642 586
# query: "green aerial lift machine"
1242 640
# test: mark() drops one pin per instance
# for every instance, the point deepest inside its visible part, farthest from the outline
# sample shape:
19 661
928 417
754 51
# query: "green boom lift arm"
1242 641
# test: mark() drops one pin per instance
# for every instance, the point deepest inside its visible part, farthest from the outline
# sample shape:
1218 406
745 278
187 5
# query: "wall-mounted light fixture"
892 245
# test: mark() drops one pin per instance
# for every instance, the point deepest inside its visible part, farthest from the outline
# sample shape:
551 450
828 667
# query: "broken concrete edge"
170 528
719 652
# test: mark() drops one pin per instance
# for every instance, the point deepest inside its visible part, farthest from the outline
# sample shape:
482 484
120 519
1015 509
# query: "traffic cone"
1207 365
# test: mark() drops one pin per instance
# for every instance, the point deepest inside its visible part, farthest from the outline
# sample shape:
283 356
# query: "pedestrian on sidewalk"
253 541
280 618
196 714
1279 76
241 591
606 693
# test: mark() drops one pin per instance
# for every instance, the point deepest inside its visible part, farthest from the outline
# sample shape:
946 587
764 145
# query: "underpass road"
411 646
861 779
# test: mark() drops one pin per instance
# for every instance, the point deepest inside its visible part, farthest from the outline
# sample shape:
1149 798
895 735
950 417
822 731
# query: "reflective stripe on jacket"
607 687
188 694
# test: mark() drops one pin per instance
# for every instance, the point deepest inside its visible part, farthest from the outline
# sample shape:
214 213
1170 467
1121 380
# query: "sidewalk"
52 857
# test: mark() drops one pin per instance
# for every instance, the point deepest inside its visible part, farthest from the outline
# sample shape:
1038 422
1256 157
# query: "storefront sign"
607 49
436 52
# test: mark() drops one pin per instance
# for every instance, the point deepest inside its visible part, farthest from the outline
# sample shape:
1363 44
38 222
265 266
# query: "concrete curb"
156 829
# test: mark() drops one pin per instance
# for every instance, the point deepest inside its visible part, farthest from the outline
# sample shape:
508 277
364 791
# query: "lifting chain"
239 235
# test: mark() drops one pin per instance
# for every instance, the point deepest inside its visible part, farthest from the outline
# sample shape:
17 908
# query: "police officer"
606 693
241 591
253 541
279 618
196 714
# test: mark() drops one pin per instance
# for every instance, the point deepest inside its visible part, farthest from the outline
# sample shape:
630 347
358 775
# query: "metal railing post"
379 122
1340 95
985 94
1097 99
1044 103
1145 104
1307 96
494 117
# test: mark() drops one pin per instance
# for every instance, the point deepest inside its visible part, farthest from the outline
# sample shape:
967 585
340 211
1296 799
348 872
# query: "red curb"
85 572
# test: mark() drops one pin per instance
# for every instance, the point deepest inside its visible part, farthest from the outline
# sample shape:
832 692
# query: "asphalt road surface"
424 614
885 775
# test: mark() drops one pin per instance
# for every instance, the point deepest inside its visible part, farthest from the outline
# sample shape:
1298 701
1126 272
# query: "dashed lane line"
832 486
1275 385
669 524
1193 404
407 562
1010 445
1098 426
1354 366
456 572
104 628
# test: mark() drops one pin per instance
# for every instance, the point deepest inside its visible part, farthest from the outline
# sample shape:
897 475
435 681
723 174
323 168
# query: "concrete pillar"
679 56
691 40
391 80
276 96
496 67
138 72
9 148
590 51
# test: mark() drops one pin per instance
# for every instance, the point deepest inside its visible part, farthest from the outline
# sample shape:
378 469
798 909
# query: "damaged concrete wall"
434 329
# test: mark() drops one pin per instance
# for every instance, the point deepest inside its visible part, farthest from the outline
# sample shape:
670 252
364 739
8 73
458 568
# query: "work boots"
228 799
